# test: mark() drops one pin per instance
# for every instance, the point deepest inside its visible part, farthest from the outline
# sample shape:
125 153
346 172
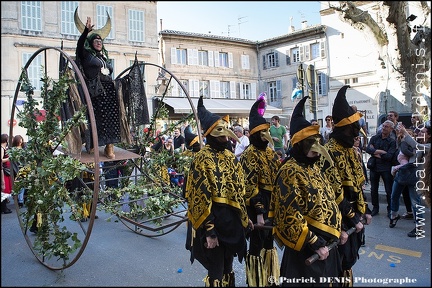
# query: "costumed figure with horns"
260 164
114 110
306 215
215 191
347 178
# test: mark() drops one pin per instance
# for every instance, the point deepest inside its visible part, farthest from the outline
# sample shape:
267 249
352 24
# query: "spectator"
327 128
216 204
260 164
416 123
5 180
169 146
18 142
382 147
418 161
314 122
244 141
179 141
246 131
279 135
364 130
392 116
358 149
301 196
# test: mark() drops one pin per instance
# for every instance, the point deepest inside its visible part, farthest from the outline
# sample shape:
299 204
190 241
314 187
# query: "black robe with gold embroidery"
215 194
306 218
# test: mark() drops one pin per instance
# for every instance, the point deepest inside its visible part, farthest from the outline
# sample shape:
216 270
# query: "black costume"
347 177
260 164
216 208
306 214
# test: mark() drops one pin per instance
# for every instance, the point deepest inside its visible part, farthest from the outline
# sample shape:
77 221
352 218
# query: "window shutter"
264 62
241 90
253 90
302 58
278 91
216 59
288 58
175 89
195 56
214 89
322 48
173 55
230 60
210 59
189 54
233 92
307 52
323 84
276 54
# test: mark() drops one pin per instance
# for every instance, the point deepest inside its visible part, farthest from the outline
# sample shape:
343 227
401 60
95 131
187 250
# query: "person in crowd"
92 56
327 128
6 179
346 176
405 152
392 116
168 146
260 164
418 160
314 122
18 142
241 146
179 141
246 131
382 146
364 129
215 190
279 135
301 197
416 123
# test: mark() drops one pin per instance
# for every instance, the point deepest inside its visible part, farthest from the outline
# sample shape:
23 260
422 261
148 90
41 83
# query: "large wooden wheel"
69 220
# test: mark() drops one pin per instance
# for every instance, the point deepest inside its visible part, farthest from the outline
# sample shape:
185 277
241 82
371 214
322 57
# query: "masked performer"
306 215
347 177
260 164
216 207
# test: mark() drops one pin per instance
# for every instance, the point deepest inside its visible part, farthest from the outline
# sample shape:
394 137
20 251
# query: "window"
34 71
322 84
102 17
179 89
67 18
181 55
274 93
204 89
248 91
225 89
245 62
203 58
136 25
315 50
223 59
295 55
270 60
31 15
194 88
354 80
288 58
347 81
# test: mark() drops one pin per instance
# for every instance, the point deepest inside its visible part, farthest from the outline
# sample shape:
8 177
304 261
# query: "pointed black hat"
300 128
256 121
208 120
190 137
343 114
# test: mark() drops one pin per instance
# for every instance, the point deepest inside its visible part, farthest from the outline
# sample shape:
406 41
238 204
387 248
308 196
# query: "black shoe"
7 211
375 211
415 232
33 229
394 221
407 215
20 205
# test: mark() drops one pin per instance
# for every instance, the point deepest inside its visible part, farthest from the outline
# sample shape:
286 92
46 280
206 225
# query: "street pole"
310 77
300 77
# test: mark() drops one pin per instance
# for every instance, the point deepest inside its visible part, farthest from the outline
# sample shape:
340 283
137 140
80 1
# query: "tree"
410 58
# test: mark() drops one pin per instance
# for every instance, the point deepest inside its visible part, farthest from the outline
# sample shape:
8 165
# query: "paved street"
116 256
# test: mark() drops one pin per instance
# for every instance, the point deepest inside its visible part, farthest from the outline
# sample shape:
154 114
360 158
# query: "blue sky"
259 20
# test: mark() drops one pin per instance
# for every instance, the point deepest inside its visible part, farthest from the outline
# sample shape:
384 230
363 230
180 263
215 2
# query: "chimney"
304 24
291 27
